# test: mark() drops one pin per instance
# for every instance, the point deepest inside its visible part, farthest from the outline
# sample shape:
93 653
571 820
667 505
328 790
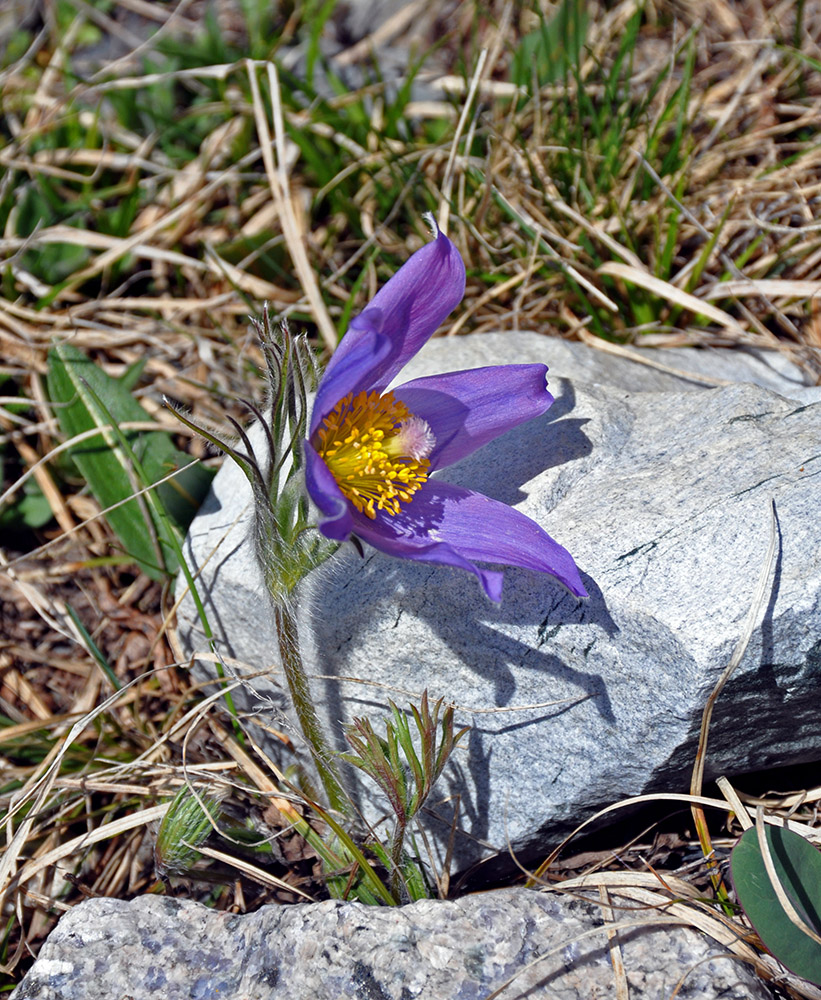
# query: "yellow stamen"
377 451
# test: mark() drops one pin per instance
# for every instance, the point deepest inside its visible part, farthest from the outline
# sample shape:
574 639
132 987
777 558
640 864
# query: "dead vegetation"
664 193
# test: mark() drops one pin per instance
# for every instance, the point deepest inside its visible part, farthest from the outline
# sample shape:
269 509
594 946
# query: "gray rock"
662 490
170 949
657 370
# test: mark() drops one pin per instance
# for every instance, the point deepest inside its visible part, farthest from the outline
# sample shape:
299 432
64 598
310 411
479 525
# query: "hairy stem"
301 696
396 856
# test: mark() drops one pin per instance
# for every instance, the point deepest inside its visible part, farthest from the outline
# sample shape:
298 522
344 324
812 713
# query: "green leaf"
346 846
798 867
94 649
117 463
32 509
413 873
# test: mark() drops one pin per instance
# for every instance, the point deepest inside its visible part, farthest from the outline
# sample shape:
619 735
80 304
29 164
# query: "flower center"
377 451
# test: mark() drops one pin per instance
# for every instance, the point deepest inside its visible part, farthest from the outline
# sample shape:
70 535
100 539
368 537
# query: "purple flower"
371 452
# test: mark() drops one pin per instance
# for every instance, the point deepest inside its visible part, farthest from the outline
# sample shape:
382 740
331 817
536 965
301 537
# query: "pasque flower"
371 452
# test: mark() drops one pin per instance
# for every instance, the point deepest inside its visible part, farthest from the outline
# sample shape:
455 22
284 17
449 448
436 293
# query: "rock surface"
153 947
662 490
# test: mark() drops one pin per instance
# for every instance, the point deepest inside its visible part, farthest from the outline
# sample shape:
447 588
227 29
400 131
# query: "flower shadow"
488 658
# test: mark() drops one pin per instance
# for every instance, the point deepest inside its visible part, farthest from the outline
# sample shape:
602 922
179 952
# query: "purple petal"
467 409
451 525
438 553
352 373
339 525
407 310
337 522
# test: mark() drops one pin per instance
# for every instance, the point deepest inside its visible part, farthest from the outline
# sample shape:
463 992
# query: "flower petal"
338 525
440 554
451 525
407 310
337 522
469 408
352 373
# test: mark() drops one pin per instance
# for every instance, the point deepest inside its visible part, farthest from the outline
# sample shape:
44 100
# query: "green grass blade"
367 872
553 48
94 650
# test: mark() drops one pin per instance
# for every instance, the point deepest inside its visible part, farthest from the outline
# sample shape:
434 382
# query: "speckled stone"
170 949
661 488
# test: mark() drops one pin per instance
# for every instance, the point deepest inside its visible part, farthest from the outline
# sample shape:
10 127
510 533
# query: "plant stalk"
396 856
301 697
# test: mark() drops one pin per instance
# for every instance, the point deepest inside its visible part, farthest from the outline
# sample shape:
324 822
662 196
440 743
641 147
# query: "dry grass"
148 210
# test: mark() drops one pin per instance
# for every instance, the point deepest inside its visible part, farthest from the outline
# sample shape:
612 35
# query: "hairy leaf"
118 464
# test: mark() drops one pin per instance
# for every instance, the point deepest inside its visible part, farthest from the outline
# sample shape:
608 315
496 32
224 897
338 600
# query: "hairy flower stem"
301 697
396 856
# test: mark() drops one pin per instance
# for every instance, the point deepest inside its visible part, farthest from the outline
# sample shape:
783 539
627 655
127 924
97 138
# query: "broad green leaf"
116 466
798 866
